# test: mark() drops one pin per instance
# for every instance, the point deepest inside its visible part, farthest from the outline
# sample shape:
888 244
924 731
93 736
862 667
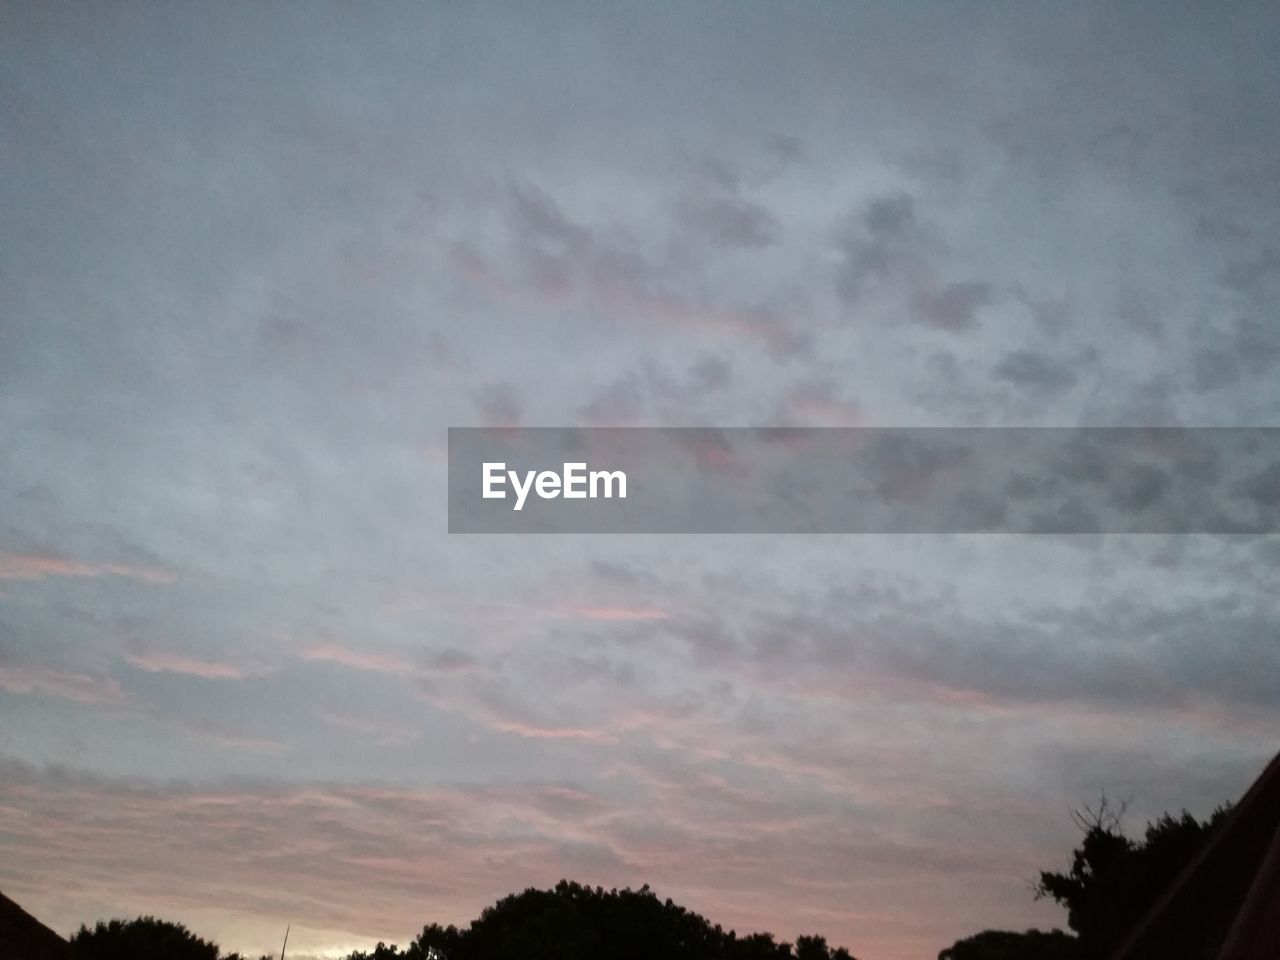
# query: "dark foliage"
145 938
1114 880
1007 945
573 922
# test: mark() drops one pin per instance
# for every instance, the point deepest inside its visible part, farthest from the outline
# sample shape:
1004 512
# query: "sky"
255 259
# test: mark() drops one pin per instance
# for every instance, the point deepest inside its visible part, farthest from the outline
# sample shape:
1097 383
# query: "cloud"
1257 344
887 248
891 217
1224 358
48 681
564 263
164 661
38 566
452 661
818 403
621 403
226 738
498 405
885 240
505 709
1035 371
369 728
372 661
710 372
732 221
614 613
954 307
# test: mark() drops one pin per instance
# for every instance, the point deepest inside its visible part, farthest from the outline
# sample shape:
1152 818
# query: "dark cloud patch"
732 222
1220 229
1154 402
536 216
902 468
710 373
1139 488
891 218
710 642
605 269
1112 654
1257 344
786 147
1215 369
884 238
562 257
618 404
498 405
1224 358
1071 514
954 308
717 172
1137 314
451 661
1035 371
1053 316
1263 488
1254 275
616 573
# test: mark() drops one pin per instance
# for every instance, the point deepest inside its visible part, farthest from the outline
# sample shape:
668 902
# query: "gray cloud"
498 405
1035 371
885 238
732 221
954 307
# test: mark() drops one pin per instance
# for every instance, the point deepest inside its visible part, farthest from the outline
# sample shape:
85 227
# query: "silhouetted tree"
1113 880
815 948
574 922
1007 945
380 952
145 938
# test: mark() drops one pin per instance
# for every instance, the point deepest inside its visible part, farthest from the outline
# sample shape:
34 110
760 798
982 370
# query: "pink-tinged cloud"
535 731
160 661
610 612
611 292
35 680
370 660
39 566
817 405
492 709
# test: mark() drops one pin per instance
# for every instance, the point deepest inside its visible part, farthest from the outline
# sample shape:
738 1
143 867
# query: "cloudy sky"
255 259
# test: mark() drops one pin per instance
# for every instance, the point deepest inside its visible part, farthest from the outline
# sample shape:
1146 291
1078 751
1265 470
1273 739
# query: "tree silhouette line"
1110 882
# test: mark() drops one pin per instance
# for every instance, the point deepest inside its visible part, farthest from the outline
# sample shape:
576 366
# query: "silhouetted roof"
1226 904
23 937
